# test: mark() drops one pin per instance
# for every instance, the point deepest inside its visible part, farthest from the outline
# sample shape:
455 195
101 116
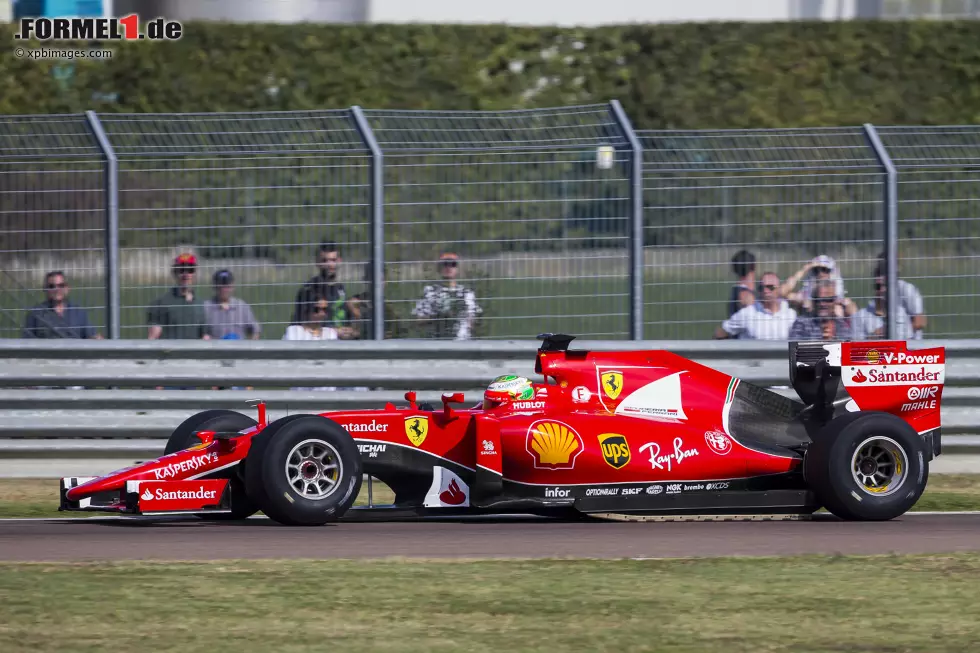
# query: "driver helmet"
505 389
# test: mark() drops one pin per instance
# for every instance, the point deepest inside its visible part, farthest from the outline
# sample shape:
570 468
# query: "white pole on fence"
636 220
377 222
891 227
112 299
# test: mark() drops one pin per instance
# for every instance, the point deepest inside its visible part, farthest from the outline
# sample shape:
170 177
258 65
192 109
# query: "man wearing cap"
823 322
819 268
179 314
448 309
227 316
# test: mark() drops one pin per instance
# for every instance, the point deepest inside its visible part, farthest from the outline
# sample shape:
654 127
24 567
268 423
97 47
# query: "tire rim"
314 469
879 466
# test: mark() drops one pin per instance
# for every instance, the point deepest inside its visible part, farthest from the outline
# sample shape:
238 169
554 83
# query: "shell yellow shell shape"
554 443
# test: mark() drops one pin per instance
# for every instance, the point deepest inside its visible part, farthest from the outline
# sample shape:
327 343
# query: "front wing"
202 496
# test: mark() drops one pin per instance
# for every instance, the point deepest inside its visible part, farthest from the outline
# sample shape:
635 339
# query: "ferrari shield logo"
416 428
612 384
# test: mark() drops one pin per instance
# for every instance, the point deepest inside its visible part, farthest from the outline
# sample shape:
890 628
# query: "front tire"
216 420
303 470
867 466
208 420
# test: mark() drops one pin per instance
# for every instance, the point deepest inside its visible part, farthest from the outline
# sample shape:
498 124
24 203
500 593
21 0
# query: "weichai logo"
126 28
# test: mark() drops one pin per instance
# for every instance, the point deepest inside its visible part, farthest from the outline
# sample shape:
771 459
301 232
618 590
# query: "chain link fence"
536 208
535 223
52 218
784 196
252 194
939 222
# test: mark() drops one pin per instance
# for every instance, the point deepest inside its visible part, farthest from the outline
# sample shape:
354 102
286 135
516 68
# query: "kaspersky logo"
126 28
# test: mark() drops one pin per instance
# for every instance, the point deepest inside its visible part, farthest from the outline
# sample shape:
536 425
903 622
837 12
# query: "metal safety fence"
471 224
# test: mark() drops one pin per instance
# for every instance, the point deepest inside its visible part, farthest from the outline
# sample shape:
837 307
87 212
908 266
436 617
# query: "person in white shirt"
869 322
909 298
768 319
312 315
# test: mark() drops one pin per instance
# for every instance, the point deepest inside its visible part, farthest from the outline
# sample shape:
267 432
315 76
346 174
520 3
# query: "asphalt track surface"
142 539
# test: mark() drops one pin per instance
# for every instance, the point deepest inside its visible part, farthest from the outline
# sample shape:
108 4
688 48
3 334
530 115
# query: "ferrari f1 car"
632 432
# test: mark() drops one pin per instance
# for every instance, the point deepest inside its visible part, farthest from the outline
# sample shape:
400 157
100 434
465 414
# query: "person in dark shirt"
742 294
179 314
823 323
325 285
56 317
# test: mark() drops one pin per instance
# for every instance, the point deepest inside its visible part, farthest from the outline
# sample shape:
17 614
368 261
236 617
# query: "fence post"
377 222
636 220
111 225
891 227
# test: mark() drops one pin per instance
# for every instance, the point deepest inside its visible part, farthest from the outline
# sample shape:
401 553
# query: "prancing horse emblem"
612 384
416 428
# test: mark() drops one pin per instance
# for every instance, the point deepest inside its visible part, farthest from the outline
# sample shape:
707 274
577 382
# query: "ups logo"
615 449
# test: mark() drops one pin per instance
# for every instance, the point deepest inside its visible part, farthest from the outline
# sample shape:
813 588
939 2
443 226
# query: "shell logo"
874 357
553 445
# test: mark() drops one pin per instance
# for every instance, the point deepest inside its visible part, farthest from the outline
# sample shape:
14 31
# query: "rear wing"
879 375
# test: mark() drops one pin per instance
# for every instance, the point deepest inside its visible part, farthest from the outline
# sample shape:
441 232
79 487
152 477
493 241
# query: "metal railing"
121 410
562 219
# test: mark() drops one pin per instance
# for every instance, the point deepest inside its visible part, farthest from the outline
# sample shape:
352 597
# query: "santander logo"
859 377
147 495
453 495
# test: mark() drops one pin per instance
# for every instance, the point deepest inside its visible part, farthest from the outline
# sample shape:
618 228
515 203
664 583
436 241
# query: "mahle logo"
126 28
615 449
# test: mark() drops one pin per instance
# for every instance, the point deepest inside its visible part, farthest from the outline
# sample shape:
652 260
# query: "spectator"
325 285
909 297
822 323
768 319
179 315
448 310
56 317
742 293
310 325
820 268
228 315
869 322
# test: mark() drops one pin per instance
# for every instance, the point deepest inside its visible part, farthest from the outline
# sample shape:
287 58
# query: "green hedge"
667 76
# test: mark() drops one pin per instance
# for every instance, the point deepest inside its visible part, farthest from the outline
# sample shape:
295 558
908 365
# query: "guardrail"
60 397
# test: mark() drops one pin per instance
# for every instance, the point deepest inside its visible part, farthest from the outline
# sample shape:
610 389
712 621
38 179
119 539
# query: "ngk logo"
922 393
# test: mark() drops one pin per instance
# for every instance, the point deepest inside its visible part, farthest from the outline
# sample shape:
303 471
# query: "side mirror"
447 398
410 398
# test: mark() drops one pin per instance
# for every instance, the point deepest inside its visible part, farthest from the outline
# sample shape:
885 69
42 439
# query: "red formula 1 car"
633 432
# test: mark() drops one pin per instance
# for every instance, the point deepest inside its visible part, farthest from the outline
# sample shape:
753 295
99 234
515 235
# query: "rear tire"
867 466
217 420
303 470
